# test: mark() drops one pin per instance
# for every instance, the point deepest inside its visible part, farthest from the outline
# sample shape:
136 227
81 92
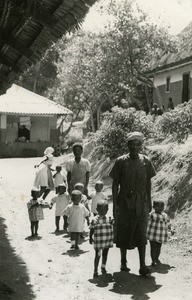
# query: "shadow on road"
74 253
131 284
14 277
161 268
125 283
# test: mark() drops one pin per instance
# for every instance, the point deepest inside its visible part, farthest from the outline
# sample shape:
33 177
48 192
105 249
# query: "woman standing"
131 190
44 178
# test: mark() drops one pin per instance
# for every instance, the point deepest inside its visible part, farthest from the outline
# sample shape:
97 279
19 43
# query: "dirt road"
46 269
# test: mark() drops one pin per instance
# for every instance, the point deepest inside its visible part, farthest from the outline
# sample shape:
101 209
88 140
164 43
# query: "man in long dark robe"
131 190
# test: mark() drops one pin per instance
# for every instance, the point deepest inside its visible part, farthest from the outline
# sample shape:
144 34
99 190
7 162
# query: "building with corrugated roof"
28 123
172 73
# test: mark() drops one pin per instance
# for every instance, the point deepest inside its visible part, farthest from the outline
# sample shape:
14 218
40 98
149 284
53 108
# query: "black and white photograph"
95 149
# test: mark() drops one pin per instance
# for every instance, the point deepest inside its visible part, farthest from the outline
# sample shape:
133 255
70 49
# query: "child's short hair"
158 202
78 145
79 184
34 190
102 204
76 193
58 167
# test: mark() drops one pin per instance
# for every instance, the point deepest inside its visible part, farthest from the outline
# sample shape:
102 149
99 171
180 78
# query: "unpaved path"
46 269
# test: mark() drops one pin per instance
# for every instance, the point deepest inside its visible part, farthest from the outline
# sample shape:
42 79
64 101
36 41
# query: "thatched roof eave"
28 29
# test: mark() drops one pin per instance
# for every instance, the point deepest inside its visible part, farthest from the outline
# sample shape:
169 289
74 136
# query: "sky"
176 14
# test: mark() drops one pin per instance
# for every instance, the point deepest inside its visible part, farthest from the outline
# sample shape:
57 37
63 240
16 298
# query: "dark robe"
132 176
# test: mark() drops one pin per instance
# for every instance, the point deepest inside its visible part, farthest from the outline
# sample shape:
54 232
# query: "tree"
39 77
97 71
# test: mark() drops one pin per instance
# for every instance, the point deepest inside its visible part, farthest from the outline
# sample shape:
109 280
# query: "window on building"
168 80
24 129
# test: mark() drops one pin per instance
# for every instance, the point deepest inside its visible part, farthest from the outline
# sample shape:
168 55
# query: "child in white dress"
97 196
80 187
58 178
76 213
61 201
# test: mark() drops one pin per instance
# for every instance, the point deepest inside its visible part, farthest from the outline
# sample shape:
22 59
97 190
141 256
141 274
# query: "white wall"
3 121
175 74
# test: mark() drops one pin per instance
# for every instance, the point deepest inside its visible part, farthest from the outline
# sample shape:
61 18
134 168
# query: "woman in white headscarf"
131 191
44 178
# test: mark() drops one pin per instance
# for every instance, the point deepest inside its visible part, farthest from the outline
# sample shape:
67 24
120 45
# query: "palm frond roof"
29 27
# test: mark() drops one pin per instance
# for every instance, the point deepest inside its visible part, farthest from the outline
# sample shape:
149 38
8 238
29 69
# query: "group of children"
74 209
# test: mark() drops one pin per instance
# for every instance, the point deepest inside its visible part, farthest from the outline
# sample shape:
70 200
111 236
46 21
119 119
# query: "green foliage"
177 122
111 139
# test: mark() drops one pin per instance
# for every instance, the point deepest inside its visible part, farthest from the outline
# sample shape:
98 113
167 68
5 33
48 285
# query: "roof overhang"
171 66
29 28
19 101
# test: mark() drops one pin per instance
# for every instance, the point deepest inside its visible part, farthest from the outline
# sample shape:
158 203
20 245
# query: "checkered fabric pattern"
158 225
103 233
35 213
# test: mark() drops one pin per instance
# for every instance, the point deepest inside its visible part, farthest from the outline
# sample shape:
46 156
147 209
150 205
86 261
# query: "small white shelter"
28 123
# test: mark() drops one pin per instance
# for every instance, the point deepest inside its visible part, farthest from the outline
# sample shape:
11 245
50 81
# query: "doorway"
186 91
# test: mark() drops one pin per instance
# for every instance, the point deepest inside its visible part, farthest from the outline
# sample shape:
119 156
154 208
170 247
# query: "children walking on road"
58 178
157 230
76 213
102 230
35 210
96 196
61 201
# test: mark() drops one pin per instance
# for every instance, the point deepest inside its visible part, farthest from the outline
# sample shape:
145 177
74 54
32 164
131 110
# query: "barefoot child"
97 196
35 210
59 178
76 213
157 230
102 230
61 201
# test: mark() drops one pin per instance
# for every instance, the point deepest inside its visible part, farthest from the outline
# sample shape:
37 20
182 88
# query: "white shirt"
76 217
78 171
61 202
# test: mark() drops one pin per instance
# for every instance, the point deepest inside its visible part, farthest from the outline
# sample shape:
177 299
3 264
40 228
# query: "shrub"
177 122
111 139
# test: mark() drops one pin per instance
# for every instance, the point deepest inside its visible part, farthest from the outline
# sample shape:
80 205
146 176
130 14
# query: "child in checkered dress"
157 230
35 210
102 230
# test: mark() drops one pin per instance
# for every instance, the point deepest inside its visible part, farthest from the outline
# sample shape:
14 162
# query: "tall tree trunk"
91 117
147 97
73 119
